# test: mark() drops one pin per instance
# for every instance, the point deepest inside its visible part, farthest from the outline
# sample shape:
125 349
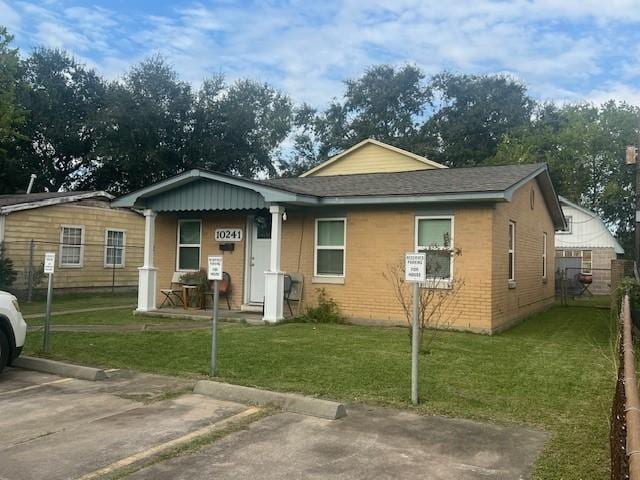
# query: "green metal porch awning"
205 195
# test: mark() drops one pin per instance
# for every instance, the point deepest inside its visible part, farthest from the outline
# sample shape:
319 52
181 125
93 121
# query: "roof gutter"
397 199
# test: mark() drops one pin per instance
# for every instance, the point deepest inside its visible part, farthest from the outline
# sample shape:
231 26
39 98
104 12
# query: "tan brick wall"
531 293
166 250
43 225
379 237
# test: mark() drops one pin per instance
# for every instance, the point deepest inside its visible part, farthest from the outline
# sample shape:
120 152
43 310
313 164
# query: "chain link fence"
111 266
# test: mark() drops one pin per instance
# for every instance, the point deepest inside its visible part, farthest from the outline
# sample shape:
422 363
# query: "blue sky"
564 50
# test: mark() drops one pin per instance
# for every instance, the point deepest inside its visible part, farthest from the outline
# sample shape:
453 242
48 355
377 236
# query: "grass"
78 301
554 371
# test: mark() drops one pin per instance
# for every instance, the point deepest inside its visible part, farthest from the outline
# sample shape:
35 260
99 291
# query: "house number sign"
228 235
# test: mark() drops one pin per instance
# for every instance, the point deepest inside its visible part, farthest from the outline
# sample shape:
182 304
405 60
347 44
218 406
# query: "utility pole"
632 159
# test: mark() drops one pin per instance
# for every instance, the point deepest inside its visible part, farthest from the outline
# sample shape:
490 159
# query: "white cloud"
308 48
614 91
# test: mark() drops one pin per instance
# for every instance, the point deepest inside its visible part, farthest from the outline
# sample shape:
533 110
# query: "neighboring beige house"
343 223
586 246
96 246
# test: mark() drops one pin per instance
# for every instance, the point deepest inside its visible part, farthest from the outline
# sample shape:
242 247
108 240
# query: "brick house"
344 222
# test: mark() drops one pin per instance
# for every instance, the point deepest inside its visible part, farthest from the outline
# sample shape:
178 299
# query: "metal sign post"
214 273
49 268
415 271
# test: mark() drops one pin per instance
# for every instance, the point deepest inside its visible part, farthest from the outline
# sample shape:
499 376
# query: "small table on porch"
187 291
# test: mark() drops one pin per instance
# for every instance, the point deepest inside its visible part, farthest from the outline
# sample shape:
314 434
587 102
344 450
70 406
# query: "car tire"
4 350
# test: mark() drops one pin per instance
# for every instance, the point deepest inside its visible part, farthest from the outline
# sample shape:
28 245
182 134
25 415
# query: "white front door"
260 256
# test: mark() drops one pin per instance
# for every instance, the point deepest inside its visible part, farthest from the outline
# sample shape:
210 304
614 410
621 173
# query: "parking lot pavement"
58 428
368 443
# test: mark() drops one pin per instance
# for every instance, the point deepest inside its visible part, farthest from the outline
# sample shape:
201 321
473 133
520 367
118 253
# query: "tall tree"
471 113
238 128
386 103
63 98
143 130
11 115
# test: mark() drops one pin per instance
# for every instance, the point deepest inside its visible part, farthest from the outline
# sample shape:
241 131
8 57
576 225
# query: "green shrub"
7 272
326 310
198 279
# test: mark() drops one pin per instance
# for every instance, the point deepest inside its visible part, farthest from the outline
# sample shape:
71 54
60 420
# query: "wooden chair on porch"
174 292
224 290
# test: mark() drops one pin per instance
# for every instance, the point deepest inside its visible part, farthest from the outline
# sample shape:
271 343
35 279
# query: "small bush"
627 285
7 272
326 310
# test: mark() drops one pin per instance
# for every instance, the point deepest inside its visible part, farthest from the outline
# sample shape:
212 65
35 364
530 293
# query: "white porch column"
147 272
274 278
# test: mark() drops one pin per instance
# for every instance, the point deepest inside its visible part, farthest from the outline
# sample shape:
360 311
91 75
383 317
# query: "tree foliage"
143 129
386 103
63 98
11 114
238 128
471 115
584 146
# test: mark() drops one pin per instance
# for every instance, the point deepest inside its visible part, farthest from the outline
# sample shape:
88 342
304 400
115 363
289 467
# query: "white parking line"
31 387
125 462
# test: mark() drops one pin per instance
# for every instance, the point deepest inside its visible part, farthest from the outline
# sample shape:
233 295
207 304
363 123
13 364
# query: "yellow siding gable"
371 156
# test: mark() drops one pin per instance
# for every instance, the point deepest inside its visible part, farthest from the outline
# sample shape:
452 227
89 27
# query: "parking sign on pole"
214 272
415 271
49 269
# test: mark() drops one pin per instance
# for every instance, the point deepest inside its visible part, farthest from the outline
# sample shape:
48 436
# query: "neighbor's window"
114 248
512 251
583 255
586 261
544 255
71 245
434 236
330 247
189 245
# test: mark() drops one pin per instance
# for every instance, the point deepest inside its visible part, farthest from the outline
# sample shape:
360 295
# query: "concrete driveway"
60 428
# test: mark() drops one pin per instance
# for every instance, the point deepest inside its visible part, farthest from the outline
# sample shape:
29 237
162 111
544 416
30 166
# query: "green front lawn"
79 301
555 371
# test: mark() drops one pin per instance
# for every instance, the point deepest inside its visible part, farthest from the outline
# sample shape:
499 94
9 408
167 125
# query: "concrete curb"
291 402
60 368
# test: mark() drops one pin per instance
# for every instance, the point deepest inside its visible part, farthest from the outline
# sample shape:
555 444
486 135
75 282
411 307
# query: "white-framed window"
114 245
71 246
434 236
544 255
330 247
511 252
188 252
566 231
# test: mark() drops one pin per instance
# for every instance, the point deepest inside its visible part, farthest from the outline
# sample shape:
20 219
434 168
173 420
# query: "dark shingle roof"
20 198
421 182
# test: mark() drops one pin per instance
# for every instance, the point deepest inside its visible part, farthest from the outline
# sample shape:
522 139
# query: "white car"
13 329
